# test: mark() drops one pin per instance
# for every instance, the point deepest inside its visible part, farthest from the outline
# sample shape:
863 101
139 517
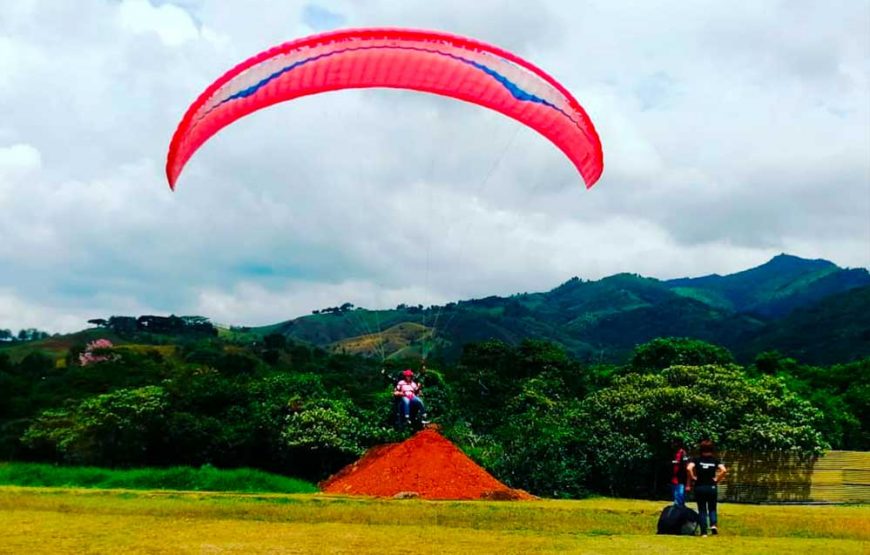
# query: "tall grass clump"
205 478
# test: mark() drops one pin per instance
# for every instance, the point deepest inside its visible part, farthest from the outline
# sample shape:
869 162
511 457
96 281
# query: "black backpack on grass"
678 521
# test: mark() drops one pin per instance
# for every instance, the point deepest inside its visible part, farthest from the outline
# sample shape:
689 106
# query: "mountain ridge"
812 310
607 317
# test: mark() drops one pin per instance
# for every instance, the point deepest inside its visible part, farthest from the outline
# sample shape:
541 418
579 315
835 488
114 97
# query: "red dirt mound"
426 464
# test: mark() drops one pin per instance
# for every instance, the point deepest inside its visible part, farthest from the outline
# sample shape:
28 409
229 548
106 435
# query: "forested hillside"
772 306
535 416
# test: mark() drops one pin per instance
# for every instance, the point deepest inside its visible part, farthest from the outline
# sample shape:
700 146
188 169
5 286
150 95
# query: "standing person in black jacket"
706 472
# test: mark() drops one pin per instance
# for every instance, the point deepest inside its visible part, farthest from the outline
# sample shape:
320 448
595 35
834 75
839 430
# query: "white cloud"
18 160
265 306
15 311
18 313
172 24
731 133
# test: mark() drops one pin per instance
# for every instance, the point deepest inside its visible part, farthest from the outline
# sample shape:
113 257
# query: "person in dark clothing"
706 471
680 474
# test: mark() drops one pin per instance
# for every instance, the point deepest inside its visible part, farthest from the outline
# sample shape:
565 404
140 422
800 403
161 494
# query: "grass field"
49 520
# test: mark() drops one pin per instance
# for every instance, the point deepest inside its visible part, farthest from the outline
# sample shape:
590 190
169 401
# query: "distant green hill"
773 289
832 331
809 309
603 320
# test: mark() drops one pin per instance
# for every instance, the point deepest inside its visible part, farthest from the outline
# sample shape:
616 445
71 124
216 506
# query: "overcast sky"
732 131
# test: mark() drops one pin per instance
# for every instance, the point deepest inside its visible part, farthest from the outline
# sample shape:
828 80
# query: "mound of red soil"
426 464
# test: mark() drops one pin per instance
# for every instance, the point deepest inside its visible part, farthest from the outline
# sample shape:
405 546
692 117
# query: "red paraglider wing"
424 61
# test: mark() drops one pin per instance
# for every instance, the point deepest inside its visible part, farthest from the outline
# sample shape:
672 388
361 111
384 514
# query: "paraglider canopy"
426 61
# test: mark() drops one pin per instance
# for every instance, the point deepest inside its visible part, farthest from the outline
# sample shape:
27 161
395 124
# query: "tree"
516 309
123 324
31 334
277 341
485 380
540 447
96 351
491 373
661 353
321 437
114 429
841 392
631 423
36 364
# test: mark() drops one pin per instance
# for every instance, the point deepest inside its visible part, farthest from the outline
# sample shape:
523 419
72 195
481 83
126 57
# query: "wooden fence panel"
836 477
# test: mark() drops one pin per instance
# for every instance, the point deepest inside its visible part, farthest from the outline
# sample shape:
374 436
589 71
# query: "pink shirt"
408 389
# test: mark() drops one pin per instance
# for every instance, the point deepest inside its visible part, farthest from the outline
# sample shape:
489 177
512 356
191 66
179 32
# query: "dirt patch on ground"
427 464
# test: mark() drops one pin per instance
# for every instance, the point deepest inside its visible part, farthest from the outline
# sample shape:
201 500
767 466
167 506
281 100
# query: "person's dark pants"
706 498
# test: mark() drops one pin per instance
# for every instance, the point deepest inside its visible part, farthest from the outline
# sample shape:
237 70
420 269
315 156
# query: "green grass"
206 478
98 521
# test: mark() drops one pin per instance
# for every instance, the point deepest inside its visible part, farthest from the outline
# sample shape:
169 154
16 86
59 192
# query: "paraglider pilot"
408 391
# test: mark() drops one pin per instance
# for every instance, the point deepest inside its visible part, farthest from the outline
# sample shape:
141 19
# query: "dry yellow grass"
165 350
387 341
86 521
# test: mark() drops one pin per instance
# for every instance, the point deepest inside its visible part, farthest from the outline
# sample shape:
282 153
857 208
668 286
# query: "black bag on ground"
678 521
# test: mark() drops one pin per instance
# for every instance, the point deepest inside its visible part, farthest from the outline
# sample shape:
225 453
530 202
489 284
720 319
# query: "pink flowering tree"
99 350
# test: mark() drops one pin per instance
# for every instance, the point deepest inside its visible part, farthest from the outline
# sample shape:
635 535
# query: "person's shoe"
714 531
